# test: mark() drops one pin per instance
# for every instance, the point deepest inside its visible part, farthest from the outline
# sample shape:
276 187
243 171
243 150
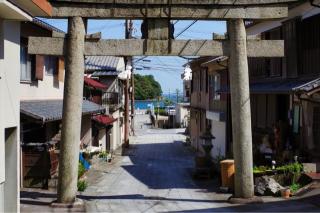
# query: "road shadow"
166 166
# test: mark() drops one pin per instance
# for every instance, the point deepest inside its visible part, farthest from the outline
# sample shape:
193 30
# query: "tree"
146 87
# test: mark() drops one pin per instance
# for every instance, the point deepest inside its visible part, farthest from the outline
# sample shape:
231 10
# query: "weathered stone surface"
137 47
241 112
188 12
197 2
266 185
72 112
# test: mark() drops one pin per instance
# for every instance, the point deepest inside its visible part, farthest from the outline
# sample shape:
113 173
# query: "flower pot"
285 193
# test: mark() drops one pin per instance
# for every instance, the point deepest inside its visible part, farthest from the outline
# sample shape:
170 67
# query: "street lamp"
206 143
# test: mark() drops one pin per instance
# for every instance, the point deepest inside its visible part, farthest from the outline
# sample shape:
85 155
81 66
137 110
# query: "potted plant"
103 155
285 193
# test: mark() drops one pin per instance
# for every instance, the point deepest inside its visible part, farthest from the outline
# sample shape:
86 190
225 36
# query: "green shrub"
103 154
81 169
295 187
82 185
294 168
260 169
291 168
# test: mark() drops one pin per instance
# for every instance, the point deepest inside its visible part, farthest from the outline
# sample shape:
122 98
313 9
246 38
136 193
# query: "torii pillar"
72 111
241 112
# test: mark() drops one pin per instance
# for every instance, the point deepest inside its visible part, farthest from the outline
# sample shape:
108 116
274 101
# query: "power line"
186 28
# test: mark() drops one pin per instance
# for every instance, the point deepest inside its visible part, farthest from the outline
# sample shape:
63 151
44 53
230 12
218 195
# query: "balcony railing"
111 99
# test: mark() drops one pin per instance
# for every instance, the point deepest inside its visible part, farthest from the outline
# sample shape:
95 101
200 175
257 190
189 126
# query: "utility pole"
126 93
126 113
177 91
130 30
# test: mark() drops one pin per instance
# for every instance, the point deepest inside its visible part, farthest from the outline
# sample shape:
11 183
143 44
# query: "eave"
10 11
35 7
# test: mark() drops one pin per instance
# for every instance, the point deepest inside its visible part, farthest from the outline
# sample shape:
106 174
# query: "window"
214 86
25 65
217 80
51 65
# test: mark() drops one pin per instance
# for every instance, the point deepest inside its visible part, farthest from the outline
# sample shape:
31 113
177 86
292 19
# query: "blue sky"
166 70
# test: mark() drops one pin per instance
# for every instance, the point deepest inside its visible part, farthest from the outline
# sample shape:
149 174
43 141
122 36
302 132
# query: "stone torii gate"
157 14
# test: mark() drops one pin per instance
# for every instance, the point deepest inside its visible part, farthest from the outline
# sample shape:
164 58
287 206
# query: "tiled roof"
51 110
45 25
280 86
101 63
309 86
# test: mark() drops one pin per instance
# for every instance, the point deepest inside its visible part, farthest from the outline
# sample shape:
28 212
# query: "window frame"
50 63
29 65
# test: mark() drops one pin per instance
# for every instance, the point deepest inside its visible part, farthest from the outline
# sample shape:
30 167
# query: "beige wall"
102 139
49 88
117 132
9 114
182 113
218 130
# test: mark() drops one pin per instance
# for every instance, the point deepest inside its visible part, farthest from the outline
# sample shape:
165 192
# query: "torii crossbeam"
158 14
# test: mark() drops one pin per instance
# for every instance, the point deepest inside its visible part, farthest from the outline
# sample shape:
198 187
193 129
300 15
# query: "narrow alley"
155 176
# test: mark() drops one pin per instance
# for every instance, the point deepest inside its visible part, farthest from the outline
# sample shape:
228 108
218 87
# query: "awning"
95 84
286 86
104 119
51 110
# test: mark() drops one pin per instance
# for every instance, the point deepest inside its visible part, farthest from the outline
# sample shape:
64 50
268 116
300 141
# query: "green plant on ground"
295 187
103 154
294 168
260 169
81 169
82 185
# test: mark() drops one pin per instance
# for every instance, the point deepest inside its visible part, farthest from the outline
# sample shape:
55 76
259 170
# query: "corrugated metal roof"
51 110
104 119
95 84
309 86
102 63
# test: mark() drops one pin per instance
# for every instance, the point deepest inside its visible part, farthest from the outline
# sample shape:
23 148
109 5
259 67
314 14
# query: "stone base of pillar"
253 200
77 206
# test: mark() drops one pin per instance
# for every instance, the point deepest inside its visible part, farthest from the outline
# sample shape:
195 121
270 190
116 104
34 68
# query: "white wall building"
10 17
182 115
186 77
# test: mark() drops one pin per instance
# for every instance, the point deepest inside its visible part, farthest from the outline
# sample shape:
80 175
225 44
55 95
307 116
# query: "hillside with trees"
146 87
